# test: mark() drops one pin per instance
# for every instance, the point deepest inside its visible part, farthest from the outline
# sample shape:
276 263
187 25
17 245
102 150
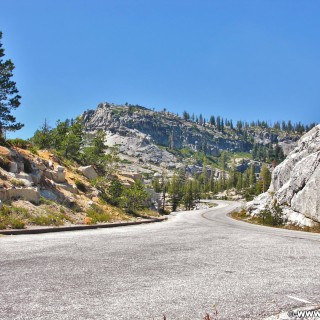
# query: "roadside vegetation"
272 216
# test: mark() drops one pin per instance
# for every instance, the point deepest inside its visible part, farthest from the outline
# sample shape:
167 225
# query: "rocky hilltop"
295 182
151 136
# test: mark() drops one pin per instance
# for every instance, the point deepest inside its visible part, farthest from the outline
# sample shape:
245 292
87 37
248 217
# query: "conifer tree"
188 198
42 137
175 192
9 97
265 177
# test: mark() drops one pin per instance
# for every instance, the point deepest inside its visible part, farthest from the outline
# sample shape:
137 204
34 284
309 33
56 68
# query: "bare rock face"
58 176
295 182
28 194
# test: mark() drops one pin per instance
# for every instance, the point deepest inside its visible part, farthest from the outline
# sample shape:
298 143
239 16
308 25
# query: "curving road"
180 268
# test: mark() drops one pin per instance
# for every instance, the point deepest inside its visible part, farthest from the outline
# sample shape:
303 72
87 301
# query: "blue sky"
240 59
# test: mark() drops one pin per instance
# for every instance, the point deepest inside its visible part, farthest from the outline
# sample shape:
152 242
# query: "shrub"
33 150
2 225
97 214
272 216
49 219
135 197
44 200
18 183
20 143
22 212
17 223
13 217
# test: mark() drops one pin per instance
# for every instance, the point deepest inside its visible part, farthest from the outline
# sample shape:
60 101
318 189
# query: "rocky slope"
295 182
40 189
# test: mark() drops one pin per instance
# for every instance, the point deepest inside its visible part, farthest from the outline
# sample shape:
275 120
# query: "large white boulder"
88 172
295 182
58 176
28 194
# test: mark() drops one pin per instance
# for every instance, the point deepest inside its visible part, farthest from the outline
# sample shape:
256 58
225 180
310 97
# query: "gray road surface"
180 268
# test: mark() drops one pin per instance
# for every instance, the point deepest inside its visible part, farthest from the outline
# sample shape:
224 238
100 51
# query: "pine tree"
72 142
175 192
252 175
186 115
265 177
135 197
212 121
200 119
218 123
239 181
211 181
42 137
188 199
9 97
239 126
196 190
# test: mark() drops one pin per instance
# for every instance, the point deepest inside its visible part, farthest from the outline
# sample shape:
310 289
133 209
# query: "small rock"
60 168
13 167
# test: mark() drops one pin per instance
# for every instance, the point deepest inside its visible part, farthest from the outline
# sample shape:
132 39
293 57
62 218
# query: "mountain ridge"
153 136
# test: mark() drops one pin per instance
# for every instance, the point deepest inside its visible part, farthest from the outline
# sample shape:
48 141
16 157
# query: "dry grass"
17 183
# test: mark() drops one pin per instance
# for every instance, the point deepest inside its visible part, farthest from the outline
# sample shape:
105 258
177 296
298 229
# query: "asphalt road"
181 268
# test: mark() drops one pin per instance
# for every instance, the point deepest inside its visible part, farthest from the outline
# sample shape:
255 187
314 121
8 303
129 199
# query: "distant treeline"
220 123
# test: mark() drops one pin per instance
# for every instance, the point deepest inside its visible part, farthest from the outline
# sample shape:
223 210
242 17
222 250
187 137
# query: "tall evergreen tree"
188 198
42 137
175 192
265 178
252 175
218 123
9 97
200 120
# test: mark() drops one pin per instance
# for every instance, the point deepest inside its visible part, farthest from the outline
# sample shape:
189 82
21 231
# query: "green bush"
49 219
16 223
97 214
13 217
272 216
18 183
33 150
44 200
20 143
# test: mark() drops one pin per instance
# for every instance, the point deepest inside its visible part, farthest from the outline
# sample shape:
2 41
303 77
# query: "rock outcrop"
28 194
88 172
295 182
158 128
